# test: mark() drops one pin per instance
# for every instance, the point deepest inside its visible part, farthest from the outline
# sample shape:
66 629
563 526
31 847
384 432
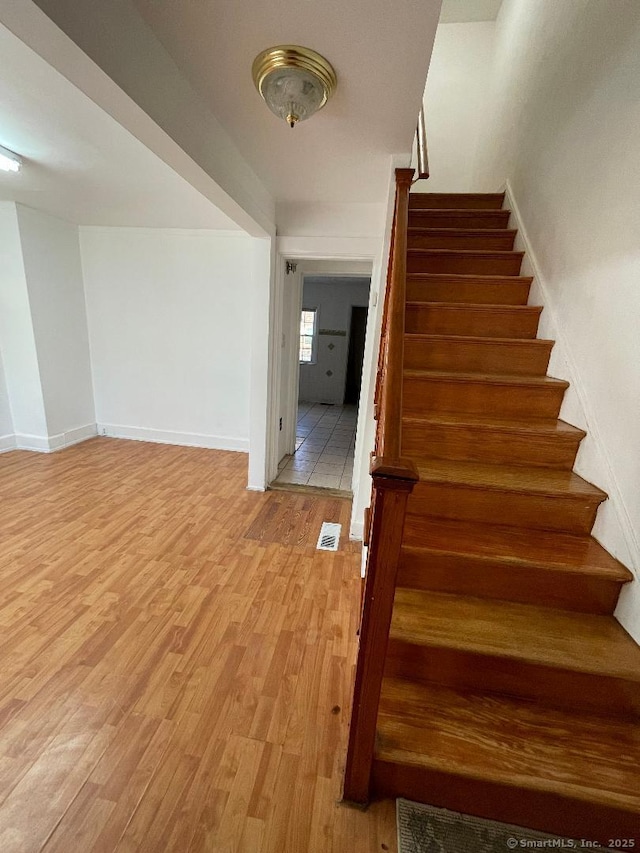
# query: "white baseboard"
51 443
7 442
185 439
613 527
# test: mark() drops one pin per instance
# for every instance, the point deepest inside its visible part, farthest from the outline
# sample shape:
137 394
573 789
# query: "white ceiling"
466 11
80 164
380 51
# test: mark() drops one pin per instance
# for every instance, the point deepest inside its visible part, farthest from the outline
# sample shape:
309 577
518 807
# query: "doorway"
326 366
355 356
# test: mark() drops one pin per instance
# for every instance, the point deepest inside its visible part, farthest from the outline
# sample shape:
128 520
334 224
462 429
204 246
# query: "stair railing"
423 153
393 480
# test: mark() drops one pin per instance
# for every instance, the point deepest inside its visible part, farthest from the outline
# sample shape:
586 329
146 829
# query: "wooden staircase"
505 686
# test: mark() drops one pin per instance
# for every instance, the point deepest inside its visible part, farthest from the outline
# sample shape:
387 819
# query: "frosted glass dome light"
295 82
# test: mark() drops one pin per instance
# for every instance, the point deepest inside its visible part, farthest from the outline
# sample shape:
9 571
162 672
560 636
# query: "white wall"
263 385
170 333
563 111
455 105
304 219
567 123
51 257
333 299
17 341
6 419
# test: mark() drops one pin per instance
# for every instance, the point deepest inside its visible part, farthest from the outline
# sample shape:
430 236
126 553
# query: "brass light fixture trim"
309 84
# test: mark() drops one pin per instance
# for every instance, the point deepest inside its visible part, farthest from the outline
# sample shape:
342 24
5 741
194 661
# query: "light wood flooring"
176 658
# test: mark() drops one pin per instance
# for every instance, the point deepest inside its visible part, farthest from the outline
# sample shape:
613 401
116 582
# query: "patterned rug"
427 829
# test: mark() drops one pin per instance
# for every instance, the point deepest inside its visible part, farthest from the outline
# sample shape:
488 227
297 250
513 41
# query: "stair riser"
527 359
547 812
473 444
493 264
524 583
531 510
455 201
463 670
457 219
503 322
484 242
479 292
424 395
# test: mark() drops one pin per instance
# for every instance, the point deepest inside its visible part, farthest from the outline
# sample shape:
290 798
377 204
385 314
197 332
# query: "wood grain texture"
534 547
485 239
477 354
510 760
557 657
456 201
176 658
489 321
510 691
470 289
475 393
536 498
459 218
490 439
538 567
388 509
545 585
464 261
390 395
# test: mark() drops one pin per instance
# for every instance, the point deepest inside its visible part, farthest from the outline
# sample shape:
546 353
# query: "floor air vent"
329 538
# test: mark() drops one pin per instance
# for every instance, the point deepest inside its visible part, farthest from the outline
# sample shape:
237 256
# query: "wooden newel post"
392 485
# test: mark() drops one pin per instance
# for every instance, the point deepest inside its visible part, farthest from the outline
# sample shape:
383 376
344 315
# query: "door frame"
312 262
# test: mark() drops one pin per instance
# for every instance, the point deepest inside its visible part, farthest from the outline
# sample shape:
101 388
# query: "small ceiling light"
9 162
294 81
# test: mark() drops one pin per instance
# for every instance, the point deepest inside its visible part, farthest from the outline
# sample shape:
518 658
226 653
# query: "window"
307 336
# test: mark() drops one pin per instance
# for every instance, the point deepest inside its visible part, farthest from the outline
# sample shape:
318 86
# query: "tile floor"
325 439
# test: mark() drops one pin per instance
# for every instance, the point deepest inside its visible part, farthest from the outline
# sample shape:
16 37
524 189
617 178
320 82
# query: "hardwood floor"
176 658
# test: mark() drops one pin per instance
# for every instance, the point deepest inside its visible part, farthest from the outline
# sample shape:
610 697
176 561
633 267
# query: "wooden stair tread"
556 550
467 253
459 211
541 343
548 426
490 378
461 232
496 289
511 742
547 481
566 640
478 217
455 201
481 307
468 277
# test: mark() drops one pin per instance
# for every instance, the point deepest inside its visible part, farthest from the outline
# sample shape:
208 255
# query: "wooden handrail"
393 481
423 153
391 434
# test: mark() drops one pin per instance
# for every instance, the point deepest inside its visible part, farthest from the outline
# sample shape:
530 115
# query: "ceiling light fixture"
295 82
9 162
